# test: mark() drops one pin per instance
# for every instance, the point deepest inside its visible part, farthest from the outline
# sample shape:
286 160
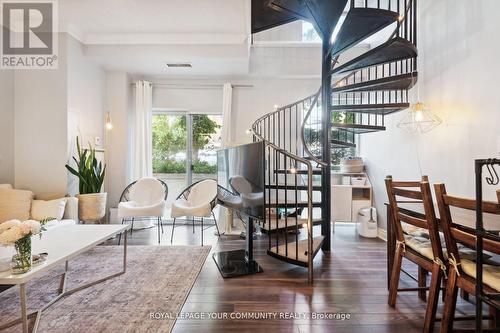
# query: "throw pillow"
15 204
41 209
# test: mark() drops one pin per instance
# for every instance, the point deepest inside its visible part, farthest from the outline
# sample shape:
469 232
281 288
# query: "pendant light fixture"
419 120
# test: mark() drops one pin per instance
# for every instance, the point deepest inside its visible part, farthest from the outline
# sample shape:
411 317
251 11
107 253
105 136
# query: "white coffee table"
62 244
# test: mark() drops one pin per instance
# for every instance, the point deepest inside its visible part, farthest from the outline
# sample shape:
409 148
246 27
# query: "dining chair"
462 269
145 198
417 240
197 200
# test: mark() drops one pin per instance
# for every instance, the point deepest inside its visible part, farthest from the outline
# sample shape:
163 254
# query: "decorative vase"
22 260
91 207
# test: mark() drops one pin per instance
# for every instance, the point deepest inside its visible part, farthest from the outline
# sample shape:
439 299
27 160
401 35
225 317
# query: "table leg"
125 252
24 311
391 244
63 293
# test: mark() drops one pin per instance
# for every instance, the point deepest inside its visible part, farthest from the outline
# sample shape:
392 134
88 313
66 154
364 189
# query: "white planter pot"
91 207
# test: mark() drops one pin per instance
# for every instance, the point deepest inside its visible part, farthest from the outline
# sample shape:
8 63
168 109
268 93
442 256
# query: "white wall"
51 108
41 128
86 90
456 76
188 95
291 32
118 103
252 98
252 103
86 114
6 126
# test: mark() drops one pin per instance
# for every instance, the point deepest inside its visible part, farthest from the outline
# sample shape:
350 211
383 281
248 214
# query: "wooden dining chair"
417 240
462 271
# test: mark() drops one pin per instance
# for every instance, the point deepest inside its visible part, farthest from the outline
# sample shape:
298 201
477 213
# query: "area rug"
157 282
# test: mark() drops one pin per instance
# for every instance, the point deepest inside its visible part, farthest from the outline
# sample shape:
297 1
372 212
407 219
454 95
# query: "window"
185 148
309 34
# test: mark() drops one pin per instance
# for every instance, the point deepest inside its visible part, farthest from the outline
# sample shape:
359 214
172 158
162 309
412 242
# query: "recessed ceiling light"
178 65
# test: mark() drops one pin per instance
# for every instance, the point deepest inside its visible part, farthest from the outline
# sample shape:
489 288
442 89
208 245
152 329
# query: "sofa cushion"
15 204
41 209
71 210
6 186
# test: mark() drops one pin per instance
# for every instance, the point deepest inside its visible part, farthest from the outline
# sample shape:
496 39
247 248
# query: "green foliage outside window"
169 139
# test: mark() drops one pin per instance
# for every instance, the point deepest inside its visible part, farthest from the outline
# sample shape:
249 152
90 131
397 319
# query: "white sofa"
21 205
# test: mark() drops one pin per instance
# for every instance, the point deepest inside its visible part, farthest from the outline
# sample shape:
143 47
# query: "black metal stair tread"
323 14
291 187
359 24
342 144
359 128
290 204
293 7
279 252
326 14
298 171
265 17
384 109
286 224
393 50
396 82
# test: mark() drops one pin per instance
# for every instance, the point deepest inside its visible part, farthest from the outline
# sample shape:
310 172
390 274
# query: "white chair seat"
252 199
233 201
182 207
129 209
491 273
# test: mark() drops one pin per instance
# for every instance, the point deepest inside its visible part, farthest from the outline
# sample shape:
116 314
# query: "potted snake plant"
90 173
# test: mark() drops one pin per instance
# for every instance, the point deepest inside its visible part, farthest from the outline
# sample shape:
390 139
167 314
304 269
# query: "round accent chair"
143 199
197 200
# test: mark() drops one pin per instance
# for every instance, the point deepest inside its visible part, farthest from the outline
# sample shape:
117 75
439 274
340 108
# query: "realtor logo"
29 35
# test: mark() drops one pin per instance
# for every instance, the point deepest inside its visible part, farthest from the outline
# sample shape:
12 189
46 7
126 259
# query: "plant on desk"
18 234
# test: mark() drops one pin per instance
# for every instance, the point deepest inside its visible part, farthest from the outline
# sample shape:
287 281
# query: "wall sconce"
419 120
109 123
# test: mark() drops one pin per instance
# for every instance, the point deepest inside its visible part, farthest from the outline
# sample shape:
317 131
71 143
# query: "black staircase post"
326 105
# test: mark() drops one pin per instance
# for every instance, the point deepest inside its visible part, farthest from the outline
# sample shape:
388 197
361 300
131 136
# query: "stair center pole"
326 106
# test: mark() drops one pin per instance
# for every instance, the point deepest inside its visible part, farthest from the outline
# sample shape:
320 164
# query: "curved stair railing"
287 193
364 90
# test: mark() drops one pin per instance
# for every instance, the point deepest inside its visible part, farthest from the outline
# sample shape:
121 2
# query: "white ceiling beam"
164 39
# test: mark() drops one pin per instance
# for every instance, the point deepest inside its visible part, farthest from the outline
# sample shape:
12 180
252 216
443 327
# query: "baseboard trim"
382 234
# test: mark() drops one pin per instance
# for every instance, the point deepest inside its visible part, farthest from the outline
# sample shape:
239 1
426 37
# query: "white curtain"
227 98
142 140
226 215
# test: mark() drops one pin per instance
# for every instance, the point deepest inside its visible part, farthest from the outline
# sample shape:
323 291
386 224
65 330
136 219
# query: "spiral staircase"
354 98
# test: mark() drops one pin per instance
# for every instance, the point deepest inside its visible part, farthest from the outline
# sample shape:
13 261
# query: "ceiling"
90 17
140 36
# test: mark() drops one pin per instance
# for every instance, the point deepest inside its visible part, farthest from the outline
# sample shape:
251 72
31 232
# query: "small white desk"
62 244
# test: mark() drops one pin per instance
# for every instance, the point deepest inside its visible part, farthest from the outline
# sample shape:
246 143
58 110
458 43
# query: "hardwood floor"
350 280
